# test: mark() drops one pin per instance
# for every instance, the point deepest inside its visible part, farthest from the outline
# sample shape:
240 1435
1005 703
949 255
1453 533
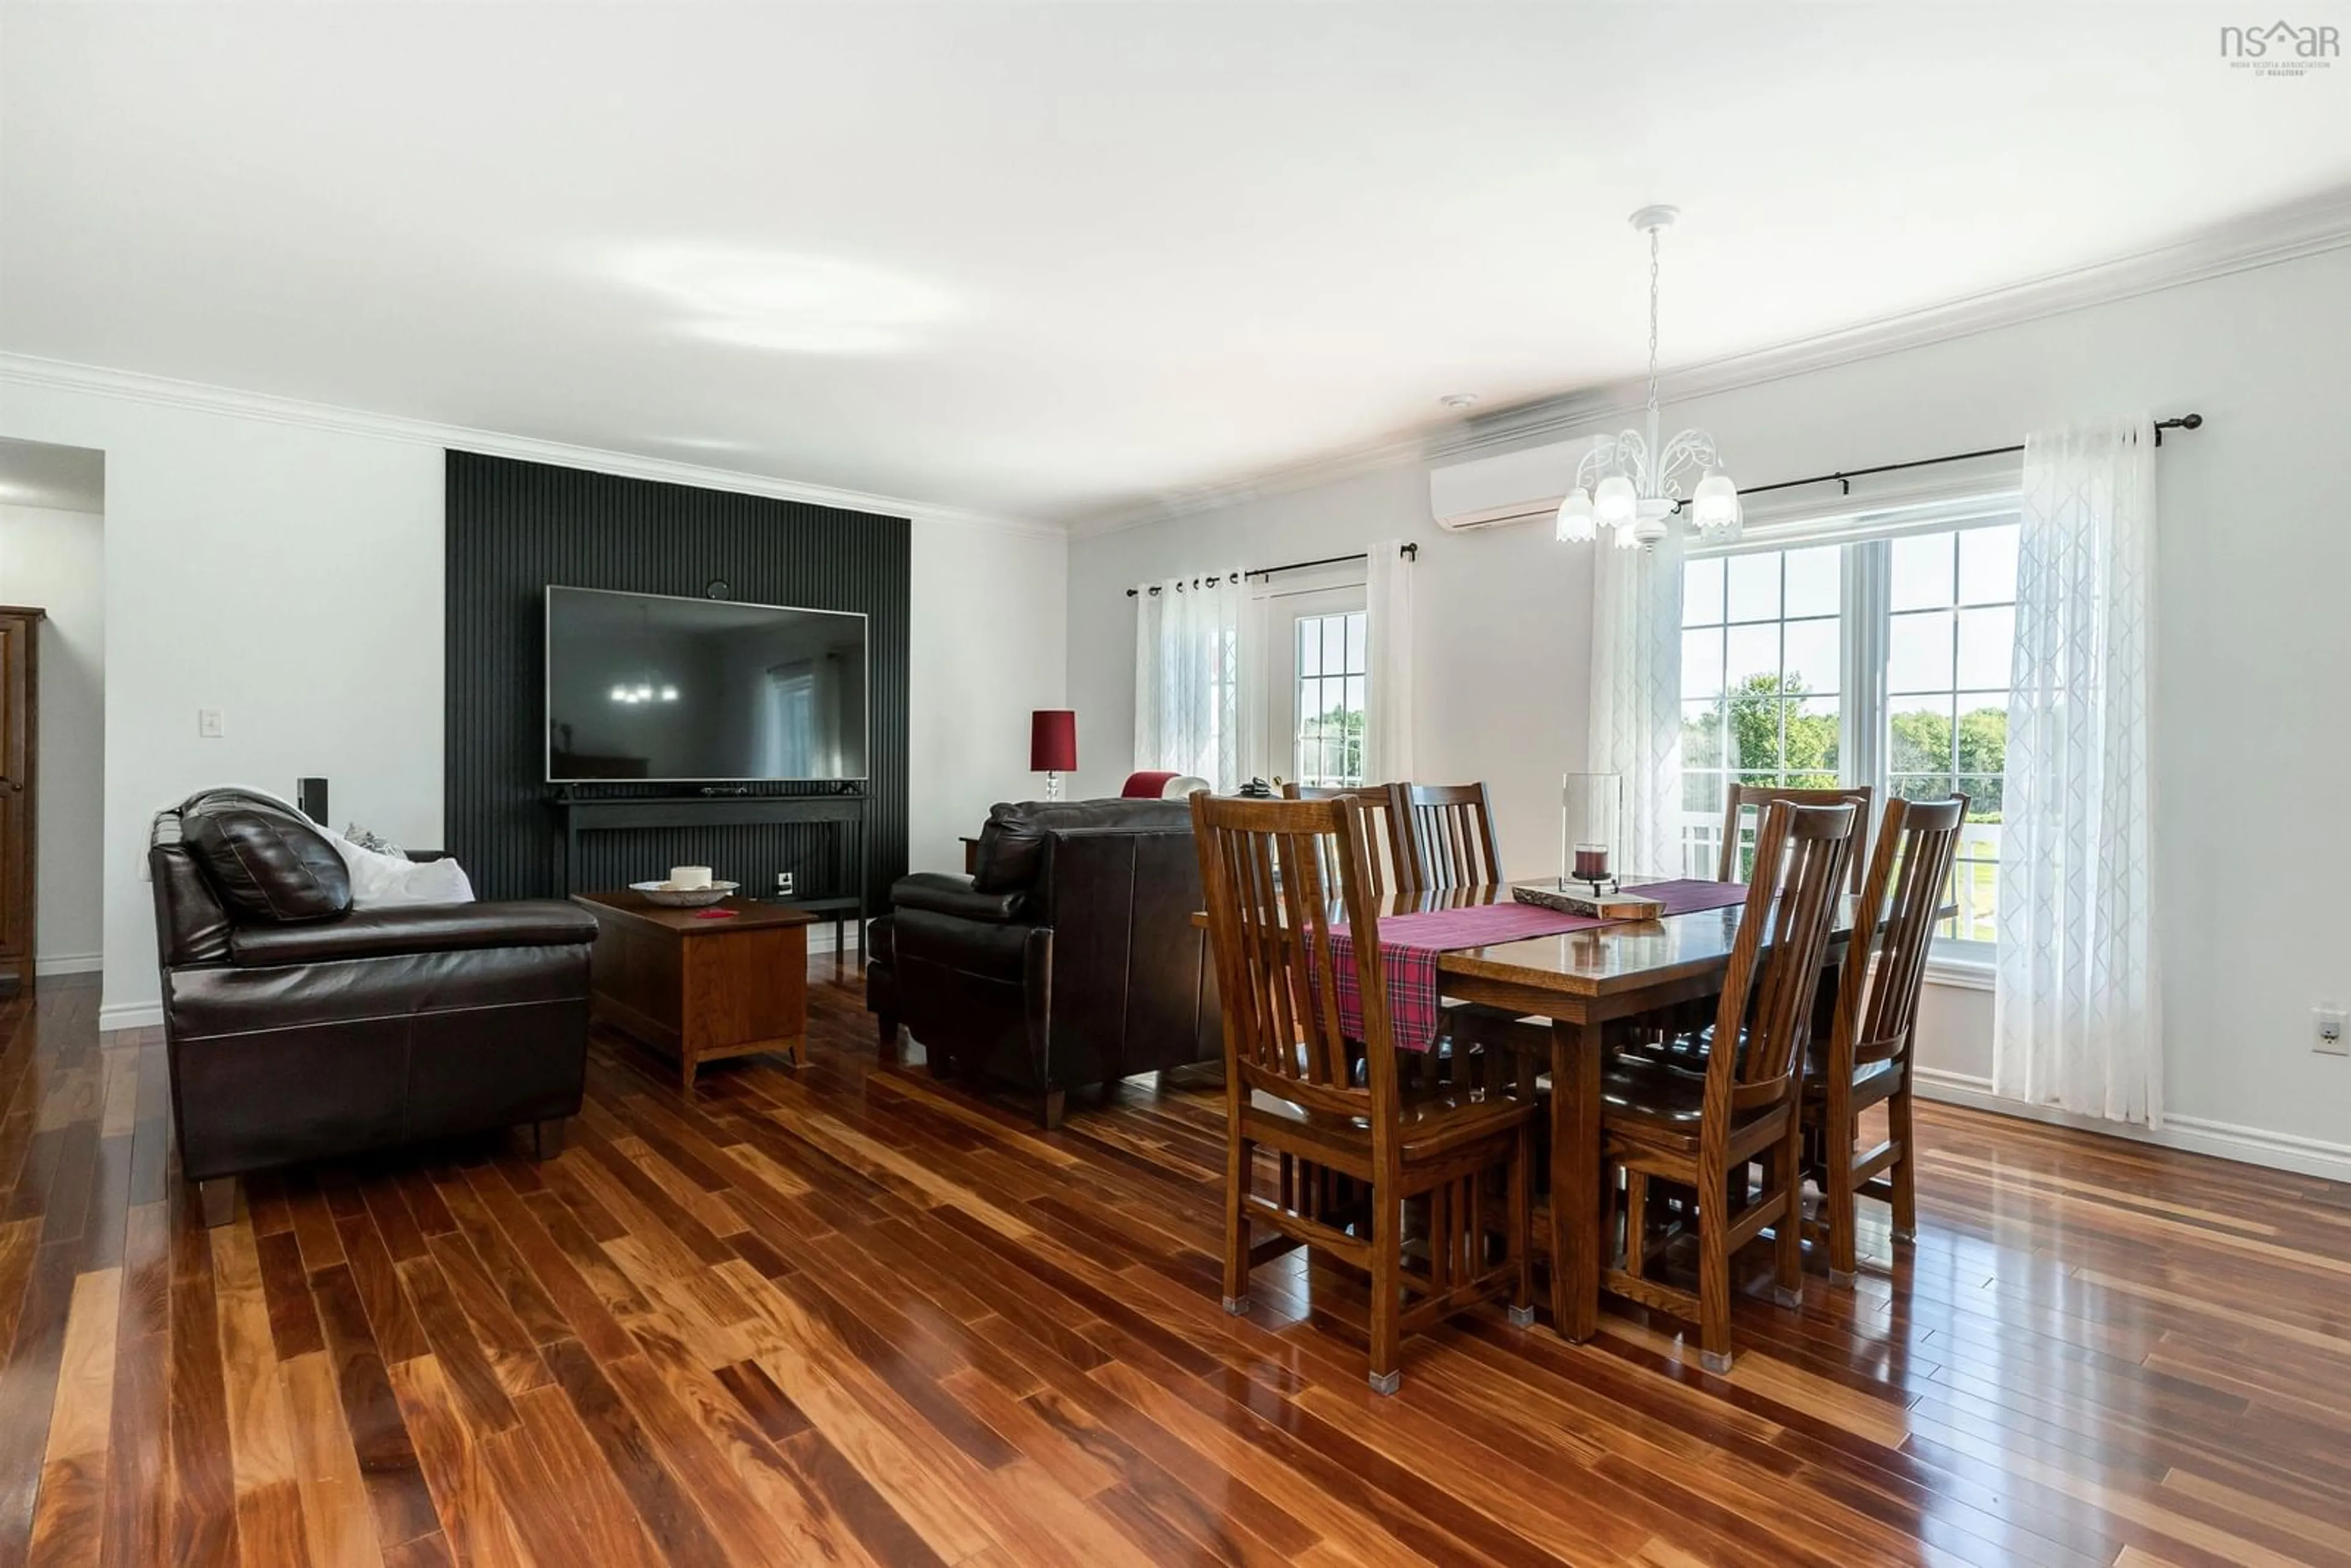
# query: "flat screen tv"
651 688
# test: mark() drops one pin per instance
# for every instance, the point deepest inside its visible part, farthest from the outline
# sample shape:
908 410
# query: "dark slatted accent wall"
515 527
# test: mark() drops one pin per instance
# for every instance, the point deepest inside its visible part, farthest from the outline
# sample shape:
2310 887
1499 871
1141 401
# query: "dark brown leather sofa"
1069 958
297 1028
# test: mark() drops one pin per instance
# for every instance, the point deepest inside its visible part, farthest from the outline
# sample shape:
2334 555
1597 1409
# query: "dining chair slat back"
1738 799
1381 856
1802 852
1902 898
1274 874
1444 836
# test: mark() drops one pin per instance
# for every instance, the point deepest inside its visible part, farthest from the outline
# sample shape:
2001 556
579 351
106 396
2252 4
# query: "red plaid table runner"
1409 946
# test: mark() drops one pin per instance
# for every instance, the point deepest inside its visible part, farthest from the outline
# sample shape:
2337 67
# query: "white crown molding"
2283 235
131 386
1282 479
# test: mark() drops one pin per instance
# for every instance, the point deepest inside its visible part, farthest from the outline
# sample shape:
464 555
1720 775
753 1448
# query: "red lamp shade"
1053 740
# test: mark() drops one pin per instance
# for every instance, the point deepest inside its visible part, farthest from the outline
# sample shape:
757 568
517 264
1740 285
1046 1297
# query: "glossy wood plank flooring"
849 1314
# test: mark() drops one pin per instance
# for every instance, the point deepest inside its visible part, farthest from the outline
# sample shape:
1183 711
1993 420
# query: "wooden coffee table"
700 988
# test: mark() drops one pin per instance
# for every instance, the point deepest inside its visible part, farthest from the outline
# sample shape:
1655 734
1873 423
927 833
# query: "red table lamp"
1053 747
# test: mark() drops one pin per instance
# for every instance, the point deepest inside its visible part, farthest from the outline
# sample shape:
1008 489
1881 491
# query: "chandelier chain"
1652 320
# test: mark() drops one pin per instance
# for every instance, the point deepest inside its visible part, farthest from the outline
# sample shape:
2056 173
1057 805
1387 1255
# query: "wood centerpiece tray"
1576 898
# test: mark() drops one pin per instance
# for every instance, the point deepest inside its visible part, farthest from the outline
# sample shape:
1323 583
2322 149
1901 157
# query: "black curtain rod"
1845 476
1409 552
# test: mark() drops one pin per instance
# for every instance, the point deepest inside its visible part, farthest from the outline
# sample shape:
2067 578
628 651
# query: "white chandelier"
1630 485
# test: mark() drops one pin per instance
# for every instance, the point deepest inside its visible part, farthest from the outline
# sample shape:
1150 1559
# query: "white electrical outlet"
2330 1040
783 884
209 724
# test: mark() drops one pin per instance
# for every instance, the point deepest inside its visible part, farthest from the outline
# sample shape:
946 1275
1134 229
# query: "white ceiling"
59 478
1050 260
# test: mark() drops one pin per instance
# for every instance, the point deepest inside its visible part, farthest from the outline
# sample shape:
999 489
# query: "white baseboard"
2259 1146
1963 1088
819 938
130 1015
68 963
2193 1135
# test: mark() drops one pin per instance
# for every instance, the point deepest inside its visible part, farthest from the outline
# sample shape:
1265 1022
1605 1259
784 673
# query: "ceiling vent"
1492 492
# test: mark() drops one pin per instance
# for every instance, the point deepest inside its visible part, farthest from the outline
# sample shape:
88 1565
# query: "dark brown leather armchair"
298 1027
1069 958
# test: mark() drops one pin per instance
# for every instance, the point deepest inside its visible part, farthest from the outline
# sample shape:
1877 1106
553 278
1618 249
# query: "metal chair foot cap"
1522 1317
1715 1360
1786 1297
1236 1305
1841 1277
1386 1382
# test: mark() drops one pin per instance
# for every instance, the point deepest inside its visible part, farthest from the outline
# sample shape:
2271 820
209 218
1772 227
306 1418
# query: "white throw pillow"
392 882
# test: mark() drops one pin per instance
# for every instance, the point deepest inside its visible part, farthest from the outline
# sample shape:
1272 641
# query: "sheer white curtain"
1188 636
1636 694
2076 1023
1388 624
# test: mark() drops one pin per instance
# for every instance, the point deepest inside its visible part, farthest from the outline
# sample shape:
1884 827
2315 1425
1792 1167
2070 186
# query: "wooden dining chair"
1292 1087
1867 1058
1694 1129
1444 836
1382 855
1741 798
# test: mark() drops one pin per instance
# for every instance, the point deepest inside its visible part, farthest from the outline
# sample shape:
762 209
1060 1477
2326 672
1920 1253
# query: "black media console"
844 812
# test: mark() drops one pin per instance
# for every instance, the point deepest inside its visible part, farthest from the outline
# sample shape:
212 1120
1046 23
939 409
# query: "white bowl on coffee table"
672 897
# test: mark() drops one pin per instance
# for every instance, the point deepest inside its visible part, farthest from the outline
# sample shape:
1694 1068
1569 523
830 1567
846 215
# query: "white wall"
289 573
2251 752
989 645
55 561
1503 648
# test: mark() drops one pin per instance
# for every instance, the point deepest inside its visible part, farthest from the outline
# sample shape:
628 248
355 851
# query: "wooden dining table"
1581 981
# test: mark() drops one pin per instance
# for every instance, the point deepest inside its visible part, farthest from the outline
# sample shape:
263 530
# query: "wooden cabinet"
701 987
20 648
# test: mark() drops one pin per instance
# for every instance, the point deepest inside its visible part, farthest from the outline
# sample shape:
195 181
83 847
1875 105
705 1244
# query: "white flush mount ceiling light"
790 302
1629 484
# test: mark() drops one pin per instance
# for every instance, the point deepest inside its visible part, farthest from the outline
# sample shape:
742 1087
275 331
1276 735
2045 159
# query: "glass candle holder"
1591 829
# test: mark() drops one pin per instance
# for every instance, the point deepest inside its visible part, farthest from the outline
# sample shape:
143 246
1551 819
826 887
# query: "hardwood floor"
849 1314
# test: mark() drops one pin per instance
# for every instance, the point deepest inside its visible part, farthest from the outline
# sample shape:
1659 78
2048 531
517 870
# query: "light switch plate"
209 724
